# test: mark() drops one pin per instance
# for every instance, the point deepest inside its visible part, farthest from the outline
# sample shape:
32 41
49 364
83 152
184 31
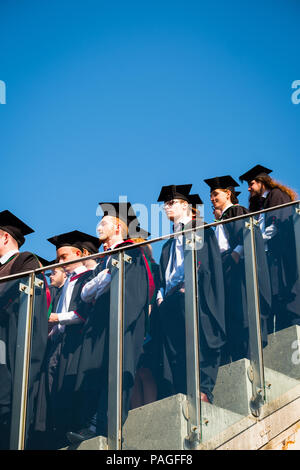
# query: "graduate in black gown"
230 240
280 244
12 261
171 298
92 379
67 318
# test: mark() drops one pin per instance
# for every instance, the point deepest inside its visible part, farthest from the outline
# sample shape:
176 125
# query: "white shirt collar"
265 193
78 270
8 255
114 246
185 220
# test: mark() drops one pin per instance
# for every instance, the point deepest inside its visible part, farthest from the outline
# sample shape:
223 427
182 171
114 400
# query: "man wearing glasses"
180 208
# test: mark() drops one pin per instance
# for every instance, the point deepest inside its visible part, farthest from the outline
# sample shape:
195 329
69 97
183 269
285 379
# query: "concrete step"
162 425
277 384
97 443
283 352
159 425
233 390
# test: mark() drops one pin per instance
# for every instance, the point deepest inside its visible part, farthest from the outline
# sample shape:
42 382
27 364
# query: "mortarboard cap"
44 262
221 182
73 238
14 226
138 232
257 170
125 212
90 243
121 210
135 230
173 191
195 199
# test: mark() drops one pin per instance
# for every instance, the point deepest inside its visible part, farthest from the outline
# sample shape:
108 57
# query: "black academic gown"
9 312
92 378
236 309
211 319
63 362
45 383
152 344
56 405
282 261
19 263
54 293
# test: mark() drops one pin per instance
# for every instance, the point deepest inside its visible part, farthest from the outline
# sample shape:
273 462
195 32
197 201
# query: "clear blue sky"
109 98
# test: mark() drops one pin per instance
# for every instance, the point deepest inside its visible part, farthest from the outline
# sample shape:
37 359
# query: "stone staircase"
228 423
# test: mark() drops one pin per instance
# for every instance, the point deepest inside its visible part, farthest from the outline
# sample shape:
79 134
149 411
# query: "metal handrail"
147 242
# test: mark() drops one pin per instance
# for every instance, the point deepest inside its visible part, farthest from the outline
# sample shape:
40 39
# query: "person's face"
57 277
219 199
6 242
106 228
175 209
68 253
255 188
3 242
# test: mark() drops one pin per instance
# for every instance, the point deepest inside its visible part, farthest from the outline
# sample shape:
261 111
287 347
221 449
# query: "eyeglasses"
171 203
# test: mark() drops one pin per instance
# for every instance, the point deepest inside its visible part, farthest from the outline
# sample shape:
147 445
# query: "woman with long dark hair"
280 245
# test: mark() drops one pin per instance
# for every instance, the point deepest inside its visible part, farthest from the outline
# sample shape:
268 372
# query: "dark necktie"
173 255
